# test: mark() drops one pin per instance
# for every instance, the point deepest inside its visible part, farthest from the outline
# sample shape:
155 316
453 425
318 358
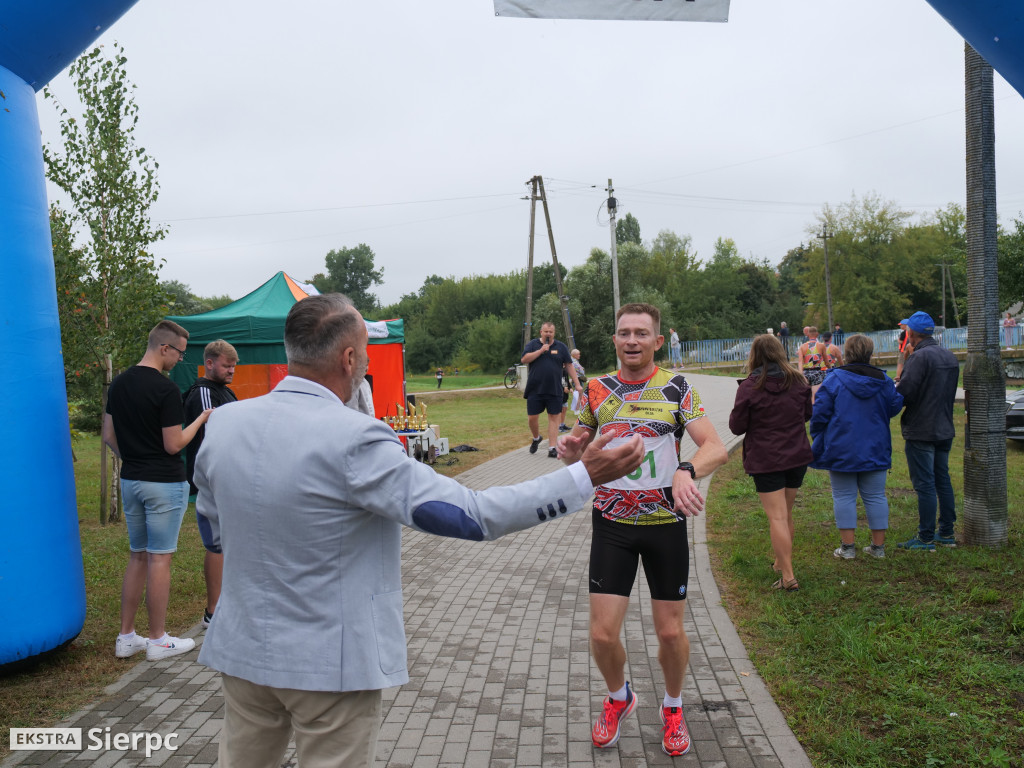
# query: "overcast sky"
284 130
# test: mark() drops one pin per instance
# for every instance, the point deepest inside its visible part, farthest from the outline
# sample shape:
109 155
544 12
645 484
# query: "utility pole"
563 300
943 266
985 493
947 274
952 294
825 236
537 193
612 205
528 323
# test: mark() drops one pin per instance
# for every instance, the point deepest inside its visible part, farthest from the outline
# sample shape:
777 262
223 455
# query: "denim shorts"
206 534
153 514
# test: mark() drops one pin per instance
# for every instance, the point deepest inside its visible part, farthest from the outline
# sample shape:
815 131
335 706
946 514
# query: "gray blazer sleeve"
384 481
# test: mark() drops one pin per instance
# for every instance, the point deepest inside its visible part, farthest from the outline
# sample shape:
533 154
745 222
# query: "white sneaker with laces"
845 551
168 646
129 645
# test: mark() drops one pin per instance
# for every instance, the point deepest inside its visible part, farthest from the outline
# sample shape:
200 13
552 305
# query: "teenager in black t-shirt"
143 427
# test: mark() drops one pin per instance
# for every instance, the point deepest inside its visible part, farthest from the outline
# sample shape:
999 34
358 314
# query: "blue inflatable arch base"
42 586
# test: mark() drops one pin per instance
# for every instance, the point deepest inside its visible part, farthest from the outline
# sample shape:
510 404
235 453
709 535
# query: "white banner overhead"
634 10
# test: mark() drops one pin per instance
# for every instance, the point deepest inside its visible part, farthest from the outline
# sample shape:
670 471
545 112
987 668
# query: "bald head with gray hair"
318 328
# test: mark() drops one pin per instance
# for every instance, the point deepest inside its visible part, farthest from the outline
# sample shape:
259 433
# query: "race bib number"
655 471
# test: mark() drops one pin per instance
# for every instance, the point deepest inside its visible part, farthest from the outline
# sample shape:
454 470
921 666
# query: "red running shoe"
676 740
606 729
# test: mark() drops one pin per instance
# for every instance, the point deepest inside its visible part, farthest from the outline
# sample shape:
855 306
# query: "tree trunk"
985 521
103 446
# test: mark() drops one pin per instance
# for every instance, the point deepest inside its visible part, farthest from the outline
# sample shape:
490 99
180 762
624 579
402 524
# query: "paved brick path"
500 669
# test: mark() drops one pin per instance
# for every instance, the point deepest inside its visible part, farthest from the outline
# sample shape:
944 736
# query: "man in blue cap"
928 385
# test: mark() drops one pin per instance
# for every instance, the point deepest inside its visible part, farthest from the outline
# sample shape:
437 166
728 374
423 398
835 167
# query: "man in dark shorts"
548 360
642 516
210 391
143 427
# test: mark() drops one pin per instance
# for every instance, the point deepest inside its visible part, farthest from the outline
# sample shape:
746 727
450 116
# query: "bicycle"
511 377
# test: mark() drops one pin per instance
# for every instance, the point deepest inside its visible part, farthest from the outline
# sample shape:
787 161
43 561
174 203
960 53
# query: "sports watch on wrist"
688 467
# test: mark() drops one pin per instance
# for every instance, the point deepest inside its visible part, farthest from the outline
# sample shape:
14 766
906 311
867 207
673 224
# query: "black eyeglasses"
181 352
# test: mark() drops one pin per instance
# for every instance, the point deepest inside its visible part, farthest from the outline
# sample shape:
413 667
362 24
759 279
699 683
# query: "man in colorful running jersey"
813 360
642 515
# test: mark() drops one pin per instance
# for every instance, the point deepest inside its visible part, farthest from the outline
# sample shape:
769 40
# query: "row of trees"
884 264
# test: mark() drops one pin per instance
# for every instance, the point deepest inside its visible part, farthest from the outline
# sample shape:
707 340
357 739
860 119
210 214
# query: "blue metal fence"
715 351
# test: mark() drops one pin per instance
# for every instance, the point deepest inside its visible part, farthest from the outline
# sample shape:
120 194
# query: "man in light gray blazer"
307 498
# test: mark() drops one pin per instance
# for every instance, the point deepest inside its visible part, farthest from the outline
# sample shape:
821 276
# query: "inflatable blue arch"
42 587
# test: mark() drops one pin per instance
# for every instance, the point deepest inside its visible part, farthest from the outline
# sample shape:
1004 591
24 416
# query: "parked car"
1015 415
737 351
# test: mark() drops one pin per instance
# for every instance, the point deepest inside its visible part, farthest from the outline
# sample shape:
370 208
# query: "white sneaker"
168 646
845 551
129 645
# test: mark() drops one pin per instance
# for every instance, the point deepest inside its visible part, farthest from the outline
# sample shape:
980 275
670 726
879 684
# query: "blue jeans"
676 354
929 472
153 513
871 485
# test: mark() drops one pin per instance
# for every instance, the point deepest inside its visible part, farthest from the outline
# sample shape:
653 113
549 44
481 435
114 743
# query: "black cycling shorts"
616 548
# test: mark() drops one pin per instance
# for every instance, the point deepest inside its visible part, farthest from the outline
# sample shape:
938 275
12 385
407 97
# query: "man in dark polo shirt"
548 359
143 427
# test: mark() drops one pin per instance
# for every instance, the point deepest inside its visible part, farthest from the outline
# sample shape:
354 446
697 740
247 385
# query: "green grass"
415 383
494 421
915 660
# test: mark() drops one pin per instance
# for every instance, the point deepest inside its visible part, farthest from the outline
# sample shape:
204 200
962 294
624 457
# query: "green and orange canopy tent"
255 326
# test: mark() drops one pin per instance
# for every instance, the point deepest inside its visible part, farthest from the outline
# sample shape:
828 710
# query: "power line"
340 207
335 234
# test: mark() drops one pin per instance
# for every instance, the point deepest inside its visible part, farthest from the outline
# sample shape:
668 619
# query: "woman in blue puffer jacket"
850 438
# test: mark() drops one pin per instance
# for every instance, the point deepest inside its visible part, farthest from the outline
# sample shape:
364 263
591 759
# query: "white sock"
159 639
619 695
672 702
129 636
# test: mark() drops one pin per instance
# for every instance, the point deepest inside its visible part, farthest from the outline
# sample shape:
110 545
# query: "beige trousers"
332 730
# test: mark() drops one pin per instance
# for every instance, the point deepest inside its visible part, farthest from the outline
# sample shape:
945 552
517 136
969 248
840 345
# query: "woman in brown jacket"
772 405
